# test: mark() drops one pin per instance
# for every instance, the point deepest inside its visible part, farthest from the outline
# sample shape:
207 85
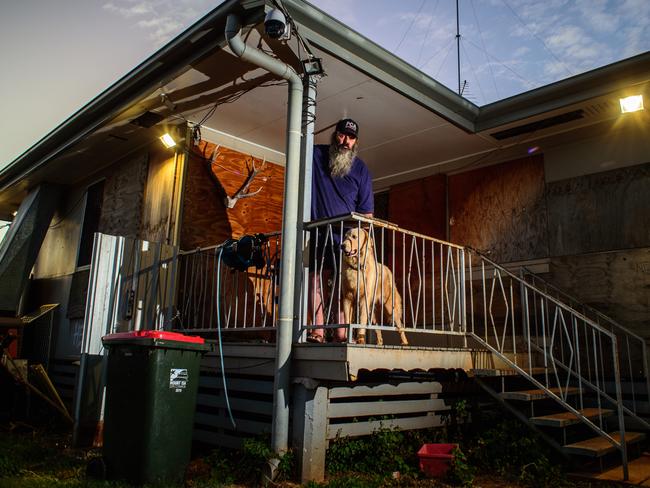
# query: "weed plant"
513 452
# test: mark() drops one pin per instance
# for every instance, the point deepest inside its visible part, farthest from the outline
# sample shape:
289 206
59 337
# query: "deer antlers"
243 192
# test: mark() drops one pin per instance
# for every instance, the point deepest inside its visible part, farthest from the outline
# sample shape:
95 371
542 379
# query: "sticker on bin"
178 379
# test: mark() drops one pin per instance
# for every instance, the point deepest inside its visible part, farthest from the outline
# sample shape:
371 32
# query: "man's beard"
341 159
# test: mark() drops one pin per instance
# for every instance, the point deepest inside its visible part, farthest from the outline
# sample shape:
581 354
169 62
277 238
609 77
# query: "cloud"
129 11
160 29
160 19
521 51
596 15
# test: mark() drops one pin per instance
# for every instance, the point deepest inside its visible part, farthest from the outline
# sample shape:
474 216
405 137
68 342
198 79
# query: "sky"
57 56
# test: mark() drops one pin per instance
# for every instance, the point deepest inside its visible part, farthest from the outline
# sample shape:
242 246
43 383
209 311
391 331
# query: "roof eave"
577 89
181 51
340 41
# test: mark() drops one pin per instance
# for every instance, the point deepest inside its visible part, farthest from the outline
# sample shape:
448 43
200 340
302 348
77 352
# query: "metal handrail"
558 335
616 327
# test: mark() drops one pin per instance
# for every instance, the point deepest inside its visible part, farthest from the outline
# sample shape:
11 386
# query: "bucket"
435 459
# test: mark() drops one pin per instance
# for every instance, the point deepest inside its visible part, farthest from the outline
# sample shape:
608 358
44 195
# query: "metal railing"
632 347
370 274
212 294
573 359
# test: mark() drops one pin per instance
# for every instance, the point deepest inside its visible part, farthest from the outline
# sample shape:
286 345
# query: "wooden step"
564 419
530 395
505 372
599 446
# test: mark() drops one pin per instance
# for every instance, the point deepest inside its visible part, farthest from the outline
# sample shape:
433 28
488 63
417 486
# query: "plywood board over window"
420 205
614 283
123 197
501 209
600 212
216 171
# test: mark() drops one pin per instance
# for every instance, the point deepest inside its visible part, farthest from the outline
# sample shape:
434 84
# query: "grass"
499 457
43 457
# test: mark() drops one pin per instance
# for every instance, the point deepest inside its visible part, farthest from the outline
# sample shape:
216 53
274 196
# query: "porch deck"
344 362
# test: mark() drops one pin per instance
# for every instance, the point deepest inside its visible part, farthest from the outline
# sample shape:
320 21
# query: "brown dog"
368 284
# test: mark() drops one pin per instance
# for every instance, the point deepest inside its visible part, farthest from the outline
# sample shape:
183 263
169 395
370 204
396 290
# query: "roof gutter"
281 399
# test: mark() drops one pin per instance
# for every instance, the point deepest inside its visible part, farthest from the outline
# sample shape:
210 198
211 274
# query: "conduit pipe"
280 430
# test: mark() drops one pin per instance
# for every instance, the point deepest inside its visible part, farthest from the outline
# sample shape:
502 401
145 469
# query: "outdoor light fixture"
312 66
633 103
14 213
167 140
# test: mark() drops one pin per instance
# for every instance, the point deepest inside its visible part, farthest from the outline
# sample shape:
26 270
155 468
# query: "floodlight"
167 140
633 103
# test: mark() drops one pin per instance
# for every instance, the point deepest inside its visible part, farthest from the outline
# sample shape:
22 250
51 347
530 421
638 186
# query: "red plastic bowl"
435 459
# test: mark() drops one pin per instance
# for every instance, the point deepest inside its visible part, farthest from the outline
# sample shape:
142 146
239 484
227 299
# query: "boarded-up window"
92 213
501 209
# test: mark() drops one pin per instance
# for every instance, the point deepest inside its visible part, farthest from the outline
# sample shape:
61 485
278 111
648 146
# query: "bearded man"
341 184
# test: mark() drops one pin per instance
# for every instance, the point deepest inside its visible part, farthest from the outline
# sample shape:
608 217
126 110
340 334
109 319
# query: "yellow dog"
368 284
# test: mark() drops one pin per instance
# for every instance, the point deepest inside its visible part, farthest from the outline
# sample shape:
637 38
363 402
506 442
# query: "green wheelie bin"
151 385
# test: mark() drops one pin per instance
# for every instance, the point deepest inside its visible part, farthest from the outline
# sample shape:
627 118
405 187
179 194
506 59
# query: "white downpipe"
281 399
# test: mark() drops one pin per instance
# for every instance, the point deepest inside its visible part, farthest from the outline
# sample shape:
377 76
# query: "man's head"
343 148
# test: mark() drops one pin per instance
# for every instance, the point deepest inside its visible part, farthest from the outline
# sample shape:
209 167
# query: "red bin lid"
154 334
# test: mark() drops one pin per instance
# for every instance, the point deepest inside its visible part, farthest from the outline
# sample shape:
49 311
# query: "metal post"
619 408
301 288
458 45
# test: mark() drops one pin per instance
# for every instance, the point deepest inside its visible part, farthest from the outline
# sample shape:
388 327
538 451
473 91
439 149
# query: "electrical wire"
471 66
293 25
426 36
480 34
537 37
446 46
223 369
501 63
443 61
410 26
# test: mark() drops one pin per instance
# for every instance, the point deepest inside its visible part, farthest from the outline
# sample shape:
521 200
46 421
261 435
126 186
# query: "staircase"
558 366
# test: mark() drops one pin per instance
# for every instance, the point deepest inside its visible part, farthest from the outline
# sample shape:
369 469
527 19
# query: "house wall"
598 196
581 207
214 171
600 212
138 192
622 145
406 201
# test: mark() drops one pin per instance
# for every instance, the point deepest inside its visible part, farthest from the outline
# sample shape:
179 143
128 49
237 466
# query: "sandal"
315 338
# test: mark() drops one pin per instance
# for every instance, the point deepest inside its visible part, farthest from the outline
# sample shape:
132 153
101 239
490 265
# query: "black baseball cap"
348 126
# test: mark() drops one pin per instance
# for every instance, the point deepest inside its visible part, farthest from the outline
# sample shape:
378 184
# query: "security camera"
275 24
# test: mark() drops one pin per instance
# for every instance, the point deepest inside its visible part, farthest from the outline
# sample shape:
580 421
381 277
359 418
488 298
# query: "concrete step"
531 395
564 419
599 446
491 372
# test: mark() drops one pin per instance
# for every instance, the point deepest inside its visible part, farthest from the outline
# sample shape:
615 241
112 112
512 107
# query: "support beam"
23 241
310 430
